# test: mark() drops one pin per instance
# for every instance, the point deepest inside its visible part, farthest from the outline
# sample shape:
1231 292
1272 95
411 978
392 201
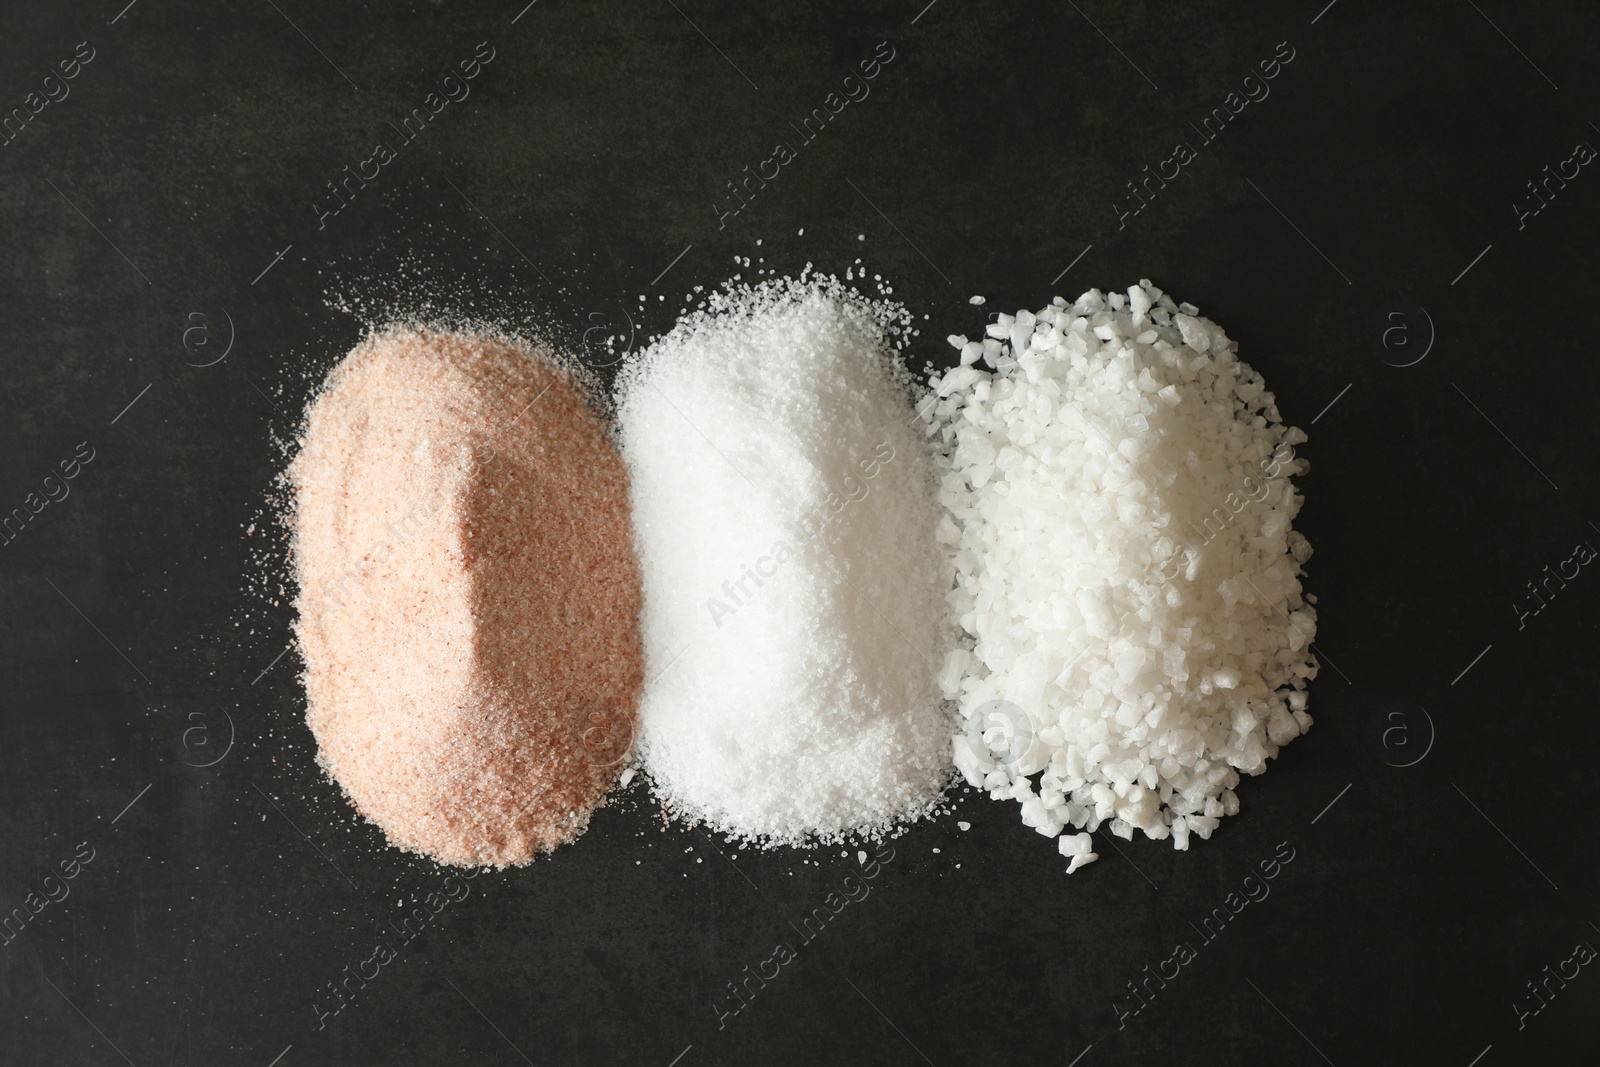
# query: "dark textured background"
138 615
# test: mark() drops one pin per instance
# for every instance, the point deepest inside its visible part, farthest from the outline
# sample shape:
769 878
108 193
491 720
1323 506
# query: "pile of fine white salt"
1119 504
784 510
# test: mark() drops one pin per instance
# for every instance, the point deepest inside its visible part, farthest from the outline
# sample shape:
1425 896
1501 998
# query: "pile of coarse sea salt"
1127 581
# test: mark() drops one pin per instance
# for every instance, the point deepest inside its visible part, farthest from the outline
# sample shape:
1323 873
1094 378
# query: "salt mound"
1128 582
468 595
785 509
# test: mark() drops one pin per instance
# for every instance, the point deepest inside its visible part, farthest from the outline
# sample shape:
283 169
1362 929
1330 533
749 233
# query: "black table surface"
1388 206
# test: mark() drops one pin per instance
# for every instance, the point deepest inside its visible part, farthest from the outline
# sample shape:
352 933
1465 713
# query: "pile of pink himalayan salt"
469 597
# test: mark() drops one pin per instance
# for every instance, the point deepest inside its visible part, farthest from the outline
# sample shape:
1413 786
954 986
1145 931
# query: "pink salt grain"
469 596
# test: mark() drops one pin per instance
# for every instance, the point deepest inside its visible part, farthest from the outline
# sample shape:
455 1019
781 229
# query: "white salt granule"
1127 582
785 511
